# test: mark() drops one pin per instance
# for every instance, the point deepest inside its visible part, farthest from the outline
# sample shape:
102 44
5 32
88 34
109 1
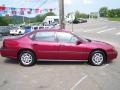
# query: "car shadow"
14 61
61 63
11 61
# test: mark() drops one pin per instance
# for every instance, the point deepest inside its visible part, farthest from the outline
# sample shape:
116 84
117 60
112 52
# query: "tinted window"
45 36
35 27
66 37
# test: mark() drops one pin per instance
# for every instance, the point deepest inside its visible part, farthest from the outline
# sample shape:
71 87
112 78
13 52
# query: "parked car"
4 31
77 21
56 45
47 26
17 31
36 28
82 20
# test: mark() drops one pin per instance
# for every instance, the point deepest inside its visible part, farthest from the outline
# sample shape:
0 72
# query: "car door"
45 45
69 50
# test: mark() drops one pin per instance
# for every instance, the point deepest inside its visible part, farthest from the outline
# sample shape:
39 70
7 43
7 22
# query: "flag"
21 12
22 9
14 12
2 8
13 9
28 12
36 10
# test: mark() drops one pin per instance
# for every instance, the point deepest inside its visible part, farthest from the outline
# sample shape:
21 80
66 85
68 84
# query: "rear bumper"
8 53
14 33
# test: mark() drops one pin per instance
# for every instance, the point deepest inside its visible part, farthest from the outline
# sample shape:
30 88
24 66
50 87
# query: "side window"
32 36
45 36
66 37
73 39
35 28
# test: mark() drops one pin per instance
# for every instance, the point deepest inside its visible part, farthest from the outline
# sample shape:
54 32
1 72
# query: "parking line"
95 29
79 82
118 33
104 66
106 30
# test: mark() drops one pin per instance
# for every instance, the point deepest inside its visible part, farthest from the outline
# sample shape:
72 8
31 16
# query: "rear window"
45 36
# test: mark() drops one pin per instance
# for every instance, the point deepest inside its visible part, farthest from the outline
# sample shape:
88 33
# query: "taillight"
4 44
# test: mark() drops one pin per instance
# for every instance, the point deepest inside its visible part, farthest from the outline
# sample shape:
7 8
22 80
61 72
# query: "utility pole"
61 14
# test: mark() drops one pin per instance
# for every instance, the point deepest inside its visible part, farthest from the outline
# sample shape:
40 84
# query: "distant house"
51 19
70 17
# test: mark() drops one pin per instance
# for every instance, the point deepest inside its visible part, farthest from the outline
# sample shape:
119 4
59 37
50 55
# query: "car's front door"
69 50
45 45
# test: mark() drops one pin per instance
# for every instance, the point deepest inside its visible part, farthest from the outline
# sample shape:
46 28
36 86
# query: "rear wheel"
20 32
97 58
27 58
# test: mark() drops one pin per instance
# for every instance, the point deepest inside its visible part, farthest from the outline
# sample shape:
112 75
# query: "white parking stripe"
118 33
96 29
79 82
104 66
106 30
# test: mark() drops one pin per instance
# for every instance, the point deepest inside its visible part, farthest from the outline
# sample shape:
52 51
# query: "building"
51 19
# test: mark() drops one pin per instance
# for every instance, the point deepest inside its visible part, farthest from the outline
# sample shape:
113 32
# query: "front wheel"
97 58
27 58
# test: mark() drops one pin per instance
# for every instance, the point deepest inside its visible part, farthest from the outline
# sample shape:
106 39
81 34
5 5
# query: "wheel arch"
98 49
25 49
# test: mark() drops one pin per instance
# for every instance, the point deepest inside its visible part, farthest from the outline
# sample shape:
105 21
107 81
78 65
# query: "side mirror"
78 42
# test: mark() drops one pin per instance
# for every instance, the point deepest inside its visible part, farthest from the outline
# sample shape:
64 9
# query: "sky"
84 6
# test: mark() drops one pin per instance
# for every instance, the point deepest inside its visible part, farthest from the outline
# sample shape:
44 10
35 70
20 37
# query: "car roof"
51 30
47 30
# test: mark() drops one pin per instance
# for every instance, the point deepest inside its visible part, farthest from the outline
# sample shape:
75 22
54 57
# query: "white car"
41 27
36 28
17 31
48 26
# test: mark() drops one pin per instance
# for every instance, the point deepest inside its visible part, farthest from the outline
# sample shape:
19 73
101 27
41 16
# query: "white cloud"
68 2
87 1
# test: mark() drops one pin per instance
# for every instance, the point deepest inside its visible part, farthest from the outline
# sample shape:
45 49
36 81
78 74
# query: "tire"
97 58
20 33
27 58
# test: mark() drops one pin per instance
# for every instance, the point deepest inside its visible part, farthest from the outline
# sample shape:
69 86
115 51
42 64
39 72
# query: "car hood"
99 44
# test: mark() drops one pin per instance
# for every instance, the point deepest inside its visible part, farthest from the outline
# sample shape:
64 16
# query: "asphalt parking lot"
68 75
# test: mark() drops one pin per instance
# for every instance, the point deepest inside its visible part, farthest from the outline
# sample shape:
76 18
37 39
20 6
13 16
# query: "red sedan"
56 45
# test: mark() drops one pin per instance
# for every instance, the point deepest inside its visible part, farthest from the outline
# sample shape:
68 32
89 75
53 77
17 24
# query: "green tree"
50 14
77 14
80 15
3 21
40 18
103 12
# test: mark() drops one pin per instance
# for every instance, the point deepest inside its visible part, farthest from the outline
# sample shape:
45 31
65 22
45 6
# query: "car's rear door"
45 45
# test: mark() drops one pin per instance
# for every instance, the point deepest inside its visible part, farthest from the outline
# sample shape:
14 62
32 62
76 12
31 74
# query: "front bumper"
112 55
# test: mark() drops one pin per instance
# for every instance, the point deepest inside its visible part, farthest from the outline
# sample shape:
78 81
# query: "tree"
80 15
40 18
103 12
50 14
3 21
77 14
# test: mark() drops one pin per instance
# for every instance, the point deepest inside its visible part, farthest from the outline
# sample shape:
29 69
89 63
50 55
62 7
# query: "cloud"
68 2
87 1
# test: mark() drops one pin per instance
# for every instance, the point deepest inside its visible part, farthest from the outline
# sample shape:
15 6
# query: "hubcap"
97 58
26 58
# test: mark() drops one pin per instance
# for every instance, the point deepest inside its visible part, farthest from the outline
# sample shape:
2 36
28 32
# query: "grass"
114 19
